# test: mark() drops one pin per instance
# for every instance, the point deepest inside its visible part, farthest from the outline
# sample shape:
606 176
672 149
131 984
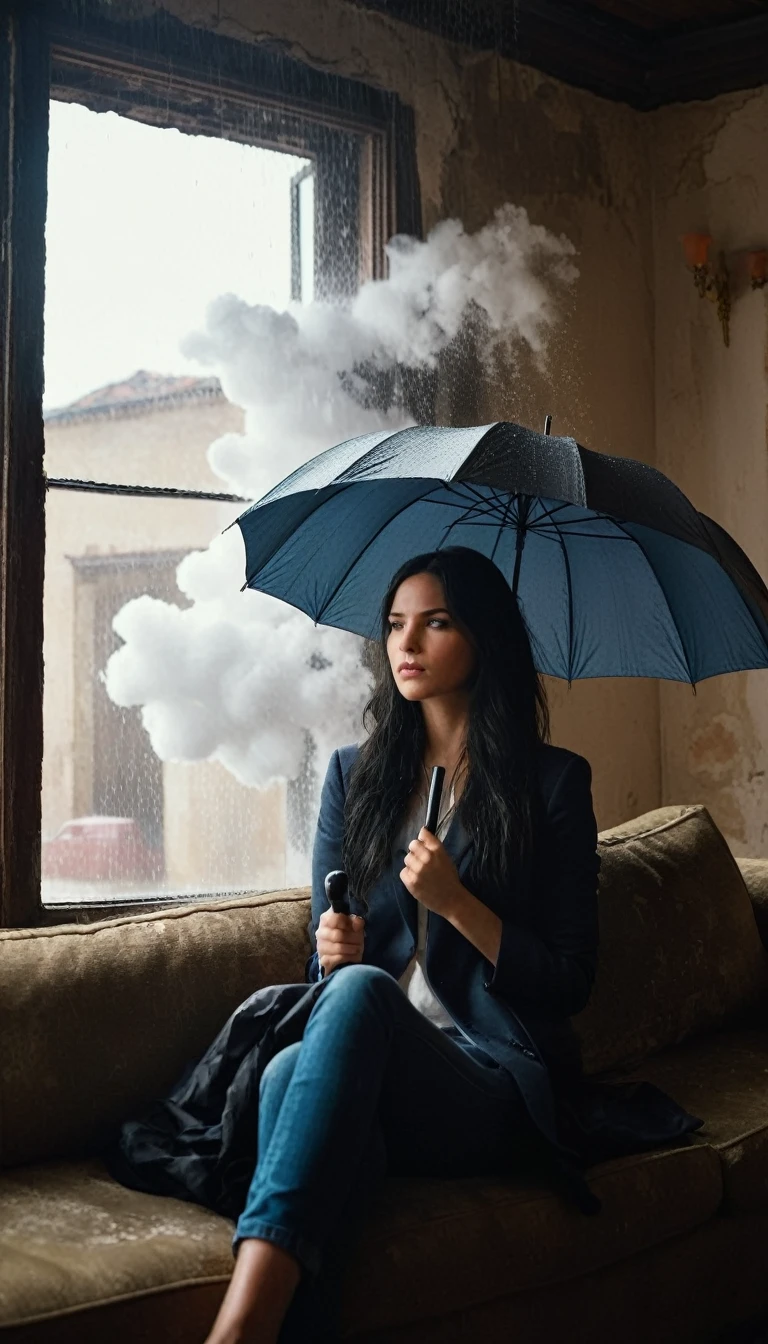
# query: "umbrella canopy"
616 572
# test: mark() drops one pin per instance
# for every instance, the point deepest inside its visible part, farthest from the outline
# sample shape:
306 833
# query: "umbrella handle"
336 887
336 884
433 801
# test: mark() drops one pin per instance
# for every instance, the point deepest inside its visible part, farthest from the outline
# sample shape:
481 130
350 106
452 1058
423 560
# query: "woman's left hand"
430 874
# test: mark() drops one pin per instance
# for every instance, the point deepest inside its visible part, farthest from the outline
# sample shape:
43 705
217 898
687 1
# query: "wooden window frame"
161 71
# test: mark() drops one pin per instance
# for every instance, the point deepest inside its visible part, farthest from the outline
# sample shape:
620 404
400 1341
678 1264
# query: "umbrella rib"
647 558
472 510
497 499
471 522
550 513
450 526
483 505
472 489
596 515
463 518
502 525
475 514
590 536
567 564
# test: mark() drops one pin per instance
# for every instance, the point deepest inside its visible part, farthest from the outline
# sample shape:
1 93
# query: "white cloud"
231 677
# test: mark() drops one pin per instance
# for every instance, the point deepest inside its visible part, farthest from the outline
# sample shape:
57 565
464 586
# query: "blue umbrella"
616 572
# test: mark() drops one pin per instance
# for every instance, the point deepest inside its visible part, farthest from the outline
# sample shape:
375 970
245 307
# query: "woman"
441 1043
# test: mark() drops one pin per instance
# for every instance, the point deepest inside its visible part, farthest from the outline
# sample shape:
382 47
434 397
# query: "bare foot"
263 1282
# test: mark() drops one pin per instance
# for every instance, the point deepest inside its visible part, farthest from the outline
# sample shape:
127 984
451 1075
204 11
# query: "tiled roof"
144 391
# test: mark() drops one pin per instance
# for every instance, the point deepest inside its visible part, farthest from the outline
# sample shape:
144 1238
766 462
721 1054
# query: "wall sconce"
712 282
757 263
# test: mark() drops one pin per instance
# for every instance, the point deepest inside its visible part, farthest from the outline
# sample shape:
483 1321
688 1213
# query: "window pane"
117 820
146 226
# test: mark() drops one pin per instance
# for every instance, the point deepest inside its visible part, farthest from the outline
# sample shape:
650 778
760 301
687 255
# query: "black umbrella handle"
336 890
433 801
336 885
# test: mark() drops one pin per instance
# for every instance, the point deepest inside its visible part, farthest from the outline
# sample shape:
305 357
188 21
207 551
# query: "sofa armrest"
755 874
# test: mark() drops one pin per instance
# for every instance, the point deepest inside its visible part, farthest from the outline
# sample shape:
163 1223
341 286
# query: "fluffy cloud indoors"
304 376
235 677
241 677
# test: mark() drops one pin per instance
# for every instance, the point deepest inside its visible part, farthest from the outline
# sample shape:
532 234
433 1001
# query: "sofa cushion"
439 1246
723 1078
98 1019
72 1238
680 951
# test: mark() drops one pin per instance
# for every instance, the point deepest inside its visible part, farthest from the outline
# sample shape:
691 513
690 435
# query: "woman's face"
422 633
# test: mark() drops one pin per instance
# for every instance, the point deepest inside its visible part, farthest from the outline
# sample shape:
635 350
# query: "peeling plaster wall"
489 131
710 170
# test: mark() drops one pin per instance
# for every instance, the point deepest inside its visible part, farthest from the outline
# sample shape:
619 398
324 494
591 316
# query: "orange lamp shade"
758 265
695 248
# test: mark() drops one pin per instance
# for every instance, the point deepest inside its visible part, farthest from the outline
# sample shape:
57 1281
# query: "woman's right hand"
339 939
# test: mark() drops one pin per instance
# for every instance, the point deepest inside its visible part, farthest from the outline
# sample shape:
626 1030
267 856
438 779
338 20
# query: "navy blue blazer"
519 1010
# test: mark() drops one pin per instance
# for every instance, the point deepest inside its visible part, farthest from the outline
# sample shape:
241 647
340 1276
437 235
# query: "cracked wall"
710 173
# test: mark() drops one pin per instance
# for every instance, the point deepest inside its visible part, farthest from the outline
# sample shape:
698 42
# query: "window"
328 165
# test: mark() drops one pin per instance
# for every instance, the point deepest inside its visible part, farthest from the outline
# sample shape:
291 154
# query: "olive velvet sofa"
97 1019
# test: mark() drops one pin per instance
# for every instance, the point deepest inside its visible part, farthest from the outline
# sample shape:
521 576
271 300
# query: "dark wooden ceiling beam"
588 47
707 61
591 49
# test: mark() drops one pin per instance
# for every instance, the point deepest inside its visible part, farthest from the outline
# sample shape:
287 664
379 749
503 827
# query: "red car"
100 849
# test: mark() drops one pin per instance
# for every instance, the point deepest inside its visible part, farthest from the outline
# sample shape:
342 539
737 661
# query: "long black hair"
508 719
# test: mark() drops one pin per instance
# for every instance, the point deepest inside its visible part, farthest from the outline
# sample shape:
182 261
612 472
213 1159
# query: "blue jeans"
373 1088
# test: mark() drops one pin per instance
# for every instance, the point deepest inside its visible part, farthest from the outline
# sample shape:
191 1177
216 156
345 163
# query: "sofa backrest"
96 1020
680 950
